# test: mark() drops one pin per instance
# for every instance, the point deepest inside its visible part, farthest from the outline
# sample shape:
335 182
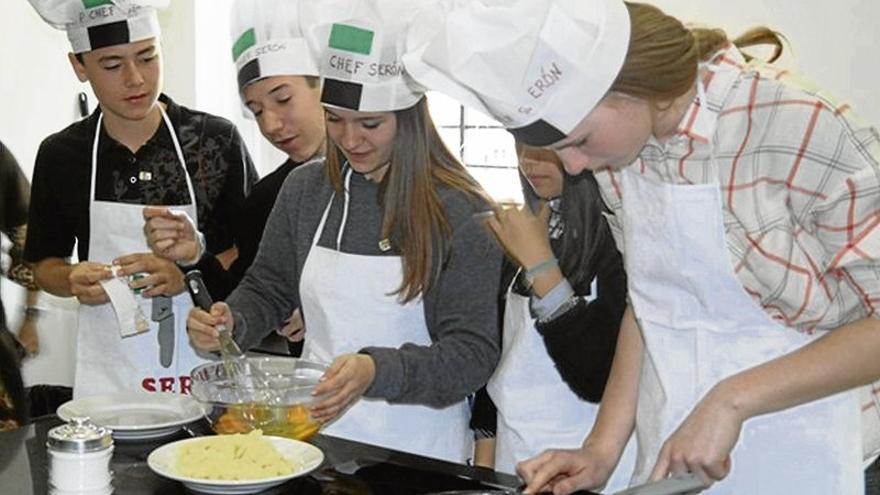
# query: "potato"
232 457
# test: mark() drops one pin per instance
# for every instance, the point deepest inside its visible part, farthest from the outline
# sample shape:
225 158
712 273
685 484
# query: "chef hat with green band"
94 24
359 45
267 41
538 67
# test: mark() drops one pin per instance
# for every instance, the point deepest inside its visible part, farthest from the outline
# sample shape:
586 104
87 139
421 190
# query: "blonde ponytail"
663 55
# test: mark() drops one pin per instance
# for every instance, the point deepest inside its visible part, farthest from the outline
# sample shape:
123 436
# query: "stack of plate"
136 415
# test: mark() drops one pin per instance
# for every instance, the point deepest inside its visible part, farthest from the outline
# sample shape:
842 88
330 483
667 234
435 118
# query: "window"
481 144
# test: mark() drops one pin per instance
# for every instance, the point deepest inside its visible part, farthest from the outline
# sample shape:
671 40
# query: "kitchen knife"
678 484
163 314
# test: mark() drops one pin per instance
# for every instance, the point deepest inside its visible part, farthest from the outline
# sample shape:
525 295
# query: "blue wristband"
540 267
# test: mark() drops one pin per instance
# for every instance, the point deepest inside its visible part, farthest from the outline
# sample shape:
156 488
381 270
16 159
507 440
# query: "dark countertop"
349 468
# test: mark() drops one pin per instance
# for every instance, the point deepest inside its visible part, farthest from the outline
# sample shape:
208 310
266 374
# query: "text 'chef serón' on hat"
94 24
267 41
538 67
359 45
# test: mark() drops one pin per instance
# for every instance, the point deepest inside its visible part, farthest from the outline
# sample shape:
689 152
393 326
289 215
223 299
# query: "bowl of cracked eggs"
268 393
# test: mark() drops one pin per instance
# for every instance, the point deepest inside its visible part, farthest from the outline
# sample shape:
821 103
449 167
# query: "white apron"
700 326
106 362
347 306
536 408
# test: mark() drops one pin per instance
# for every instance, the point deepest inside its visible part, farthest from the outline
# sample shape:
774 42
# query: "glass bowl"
273 396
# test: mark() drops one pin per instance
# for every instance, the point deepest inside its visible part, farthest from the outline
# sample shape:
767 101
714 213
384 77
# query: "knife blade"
163 314
677 484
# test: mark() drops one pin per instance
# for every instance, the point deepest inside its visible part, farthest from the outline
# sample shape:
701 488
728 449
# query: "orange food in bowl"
229 423
298 414
286 421
276 399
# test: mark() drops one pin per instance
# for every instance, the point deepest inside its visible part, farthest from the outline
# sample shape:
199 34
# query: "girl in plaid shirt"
748 213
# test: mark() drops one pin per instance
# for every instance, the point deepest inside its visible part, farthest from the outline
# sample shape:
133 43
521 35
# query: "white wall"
179 52
835 44
216 79
38 87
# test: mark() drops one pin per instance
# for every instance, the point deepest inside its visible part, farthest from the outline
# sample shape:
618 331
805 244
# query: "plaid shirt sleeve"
846 218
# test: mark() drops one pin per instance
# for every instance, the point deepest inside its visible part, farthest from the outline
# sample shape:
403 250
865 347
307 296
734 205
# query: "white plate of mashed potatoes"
234 463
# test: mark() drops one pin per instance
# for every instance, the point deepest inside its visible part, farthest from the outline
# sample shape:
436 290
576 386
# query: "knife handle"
197 290
83 103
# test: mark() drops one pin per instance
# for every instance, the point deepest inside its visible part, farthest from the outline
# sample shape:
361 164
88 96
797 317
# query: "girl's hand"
347 378
523 234
702 443
563 471
201 326
293 328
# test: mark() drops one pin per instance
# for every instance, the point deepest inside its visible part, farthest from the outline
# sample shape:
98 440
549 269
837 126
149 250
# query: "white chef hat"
267 41
93 24
539 67
359 44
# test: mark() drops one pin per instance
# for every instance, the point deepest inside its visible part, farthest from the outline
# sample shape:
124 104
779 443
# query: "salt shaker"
79 454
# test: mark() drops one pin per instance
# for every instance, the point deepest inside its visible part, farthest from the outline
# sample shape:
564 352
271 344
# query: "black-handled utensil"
202 298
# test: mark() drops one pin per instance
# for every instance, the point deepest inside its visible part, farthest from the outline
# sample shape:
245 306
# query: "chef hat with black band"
359 45
94 24
267 41
538 67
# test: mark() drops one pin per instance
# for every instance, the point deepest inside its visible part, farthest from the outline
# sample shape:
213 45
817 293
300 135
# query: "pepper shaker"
79 455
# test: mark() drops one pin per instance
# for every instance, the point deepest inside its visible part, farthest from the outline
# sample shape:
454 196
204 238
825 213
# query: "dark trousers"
872 479
10 376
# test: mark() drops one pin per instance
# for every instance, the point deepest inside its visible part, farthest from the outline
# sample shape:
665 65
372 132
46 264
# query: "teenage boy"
92 180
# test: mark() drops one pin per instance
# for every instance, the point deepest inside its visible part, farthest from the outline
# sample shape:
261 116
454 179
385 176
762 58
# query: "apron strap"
95 156
344 209
180 158
326 213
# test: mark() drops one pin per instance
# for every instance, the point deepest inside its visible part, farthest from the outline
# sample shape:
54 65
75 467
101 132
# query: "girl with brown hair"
380 247
559 320
746 212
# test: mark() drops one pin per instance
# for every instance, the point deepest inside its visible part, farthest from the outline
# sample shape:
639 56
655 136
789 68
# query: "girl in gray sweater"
382 249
